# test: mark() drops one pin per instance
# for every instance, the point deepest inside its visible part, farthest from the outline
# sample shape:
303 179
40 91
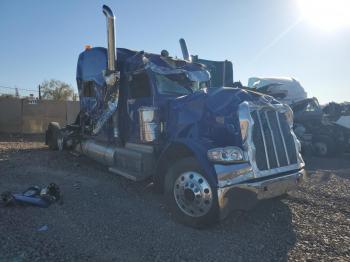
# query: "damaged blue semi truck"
208 149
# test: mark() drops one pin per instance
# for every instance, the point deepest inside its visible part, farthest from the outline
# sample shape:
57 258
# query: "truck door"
140 95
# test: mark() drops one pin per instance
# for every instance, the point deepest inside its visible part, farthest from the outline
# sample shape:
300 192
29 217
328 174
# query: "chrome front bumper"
244 195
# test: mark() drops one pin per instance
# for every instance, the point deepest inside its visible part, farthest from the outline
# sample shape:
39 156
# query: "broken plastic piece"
33 196
43 228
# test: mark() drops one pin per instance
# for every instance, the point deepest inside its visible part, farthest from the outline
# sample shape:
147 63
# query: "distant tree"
56 90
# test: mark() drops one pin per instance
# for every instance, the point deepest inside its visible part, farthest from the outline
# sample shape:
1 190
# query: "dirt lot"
104 217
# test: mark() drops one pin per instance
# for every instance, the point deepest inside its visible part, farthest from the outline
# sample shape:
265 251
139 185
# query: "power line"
8 87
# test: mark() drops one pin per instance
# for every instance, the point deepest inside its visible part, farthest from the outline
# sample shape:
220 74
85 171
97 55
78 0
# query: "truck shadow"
264 233
325 167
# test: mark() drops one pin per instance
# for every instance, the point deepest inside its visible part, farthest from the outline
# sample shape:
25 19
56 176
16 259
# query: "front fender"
181 148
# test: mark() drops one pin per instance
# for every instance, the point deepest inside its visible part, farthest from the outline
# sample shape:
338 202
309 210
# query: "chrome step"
129 175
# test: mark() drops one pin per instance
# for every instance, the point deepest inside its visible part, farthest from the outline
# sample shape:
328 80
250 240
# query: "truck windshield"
177 84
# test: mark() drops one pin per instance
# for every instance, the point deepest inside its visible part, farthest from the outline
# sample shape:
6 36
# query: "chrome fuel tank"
98 151
149 124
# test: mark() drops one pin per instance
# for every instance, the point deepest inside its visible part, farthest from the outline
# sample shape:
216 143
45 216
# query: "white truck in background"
286 89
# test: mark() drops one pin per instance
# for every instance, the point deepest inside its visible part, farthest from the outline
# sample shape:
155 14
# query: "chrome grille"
274 143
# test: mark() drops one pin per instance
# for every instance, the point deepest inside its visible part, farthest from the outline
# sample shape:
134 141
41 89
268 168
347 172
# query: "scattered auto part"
34 195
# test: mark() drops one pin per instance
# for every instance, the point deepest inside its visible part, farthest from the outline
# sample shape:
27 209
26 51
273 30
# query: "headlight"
230 154
244 124
289 116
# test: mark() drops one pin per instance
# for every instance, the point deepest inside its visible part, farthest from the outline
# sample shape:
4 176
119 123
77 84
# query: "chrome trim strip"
264 139
283 140
273 138
248 145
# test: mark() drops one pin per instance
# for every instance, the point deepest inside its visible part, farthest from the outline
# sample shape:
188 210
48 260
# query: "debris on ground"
34 195
43 228
124 222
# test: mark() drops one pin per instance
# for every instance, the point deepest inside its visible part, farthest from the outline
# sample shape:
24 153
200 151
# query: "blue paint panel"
207 119
202 120
91 64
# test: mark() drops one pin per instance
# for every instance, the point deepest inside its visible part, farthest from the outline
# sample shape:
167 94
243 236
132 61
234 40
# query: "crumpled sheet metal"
199 75
106 114
92 64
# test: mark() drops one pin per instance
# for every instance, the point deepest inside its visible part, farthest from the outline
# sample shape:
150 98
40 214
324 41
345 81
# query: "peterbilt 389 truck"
208 149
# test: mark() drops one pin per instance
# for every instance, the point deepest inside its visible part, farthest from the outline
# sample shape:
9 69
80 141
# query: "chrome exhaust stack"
112 57
186 55
111 76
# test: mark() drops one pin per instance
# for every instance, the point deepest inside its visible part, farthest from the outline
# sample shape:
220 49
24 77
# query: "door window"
139 86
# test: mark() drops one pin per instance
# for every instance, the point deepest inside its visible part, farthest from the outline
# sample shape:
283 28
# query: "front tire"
191 196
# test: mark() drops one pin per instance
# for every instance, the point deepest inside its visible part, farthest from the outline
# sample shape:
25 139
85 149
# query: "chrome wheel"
193 194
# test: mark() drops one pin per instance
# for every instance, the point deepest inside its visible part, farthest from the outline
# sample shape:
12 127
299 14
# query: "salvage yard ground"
104 217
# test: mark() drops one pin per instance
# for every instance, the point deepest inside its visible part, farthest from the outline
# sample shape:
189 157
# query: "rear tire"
53 134
190 194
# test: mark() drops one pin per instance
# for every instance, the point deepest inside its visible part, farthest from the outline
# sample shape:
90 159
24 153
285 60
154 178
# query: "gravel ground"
104 217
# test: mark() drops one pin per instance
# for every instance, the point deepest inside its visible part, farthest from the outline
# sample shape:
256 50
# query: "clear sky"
42 39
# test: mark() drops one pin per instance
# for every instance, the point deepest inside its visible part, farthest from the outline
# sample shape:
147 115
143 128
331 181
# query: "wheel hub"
193 194
189 195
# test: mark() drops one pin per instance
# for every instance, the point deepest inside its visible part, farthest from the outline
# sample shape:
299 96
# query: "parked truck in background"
209 149
323 131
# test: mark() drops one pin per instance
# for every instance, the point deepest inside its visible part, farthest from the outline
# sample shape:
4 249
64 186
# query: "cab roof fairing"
221 72
92 63
167 66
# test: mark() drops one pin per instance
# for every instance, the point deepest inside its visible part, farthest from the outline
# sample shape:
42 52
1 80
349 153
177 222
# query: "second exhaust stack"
186 55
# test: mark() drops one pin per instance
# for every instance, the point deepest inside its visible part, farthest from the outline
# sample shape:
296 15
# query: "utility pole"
39 92
75 96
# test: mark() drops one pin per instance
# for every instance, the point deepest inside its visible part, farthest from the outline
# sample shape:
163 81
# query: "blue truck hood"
209 116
